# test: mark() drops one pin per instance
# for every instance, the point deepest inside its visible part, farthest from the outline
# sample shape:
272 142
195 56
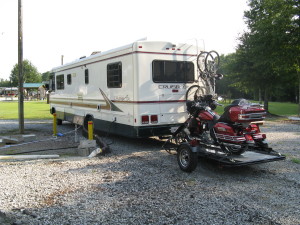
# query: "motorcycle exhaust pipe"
232 145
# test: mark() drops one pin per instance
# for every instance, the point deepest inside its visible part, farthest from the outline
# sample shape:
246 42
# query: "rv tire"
58 121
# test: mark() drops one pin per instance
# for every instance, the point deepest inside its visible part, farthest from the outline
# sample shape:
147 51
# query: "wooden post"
20 65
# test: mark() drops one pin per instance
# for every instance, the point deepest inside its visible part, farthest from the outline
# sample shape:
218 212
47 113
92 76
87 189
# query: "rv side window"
69 79
172 71
60 82
114 75
52 82
86 76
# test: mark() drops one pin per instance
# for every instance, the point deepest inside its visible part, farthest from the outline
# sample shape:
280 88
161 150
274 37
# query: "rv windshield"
172 71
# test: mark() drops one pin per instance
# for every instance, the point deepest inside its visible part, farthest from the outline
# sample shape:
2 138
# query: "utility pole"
20 65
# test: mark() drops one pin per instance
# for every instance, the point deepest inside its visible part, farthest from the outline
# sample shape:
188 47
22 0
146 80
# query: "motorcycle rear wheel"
187 160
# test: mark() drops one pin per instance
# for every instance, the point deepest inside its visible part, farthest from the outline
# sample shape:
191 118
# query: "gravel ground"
139 183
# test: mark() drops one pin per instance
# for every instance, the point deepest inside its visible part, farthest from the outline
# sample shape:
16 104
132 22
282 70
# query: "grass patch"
32 110
295 160
276 108
283 108
40 110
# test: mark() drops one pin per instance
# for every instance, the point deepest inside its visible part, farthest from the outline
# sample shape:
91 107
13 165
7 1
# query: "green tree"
30 73
4 83
268 55
46 76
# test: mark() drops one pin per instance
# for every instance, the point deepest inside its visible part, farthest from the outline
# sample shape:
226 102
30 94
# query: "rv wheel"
58 121
187 160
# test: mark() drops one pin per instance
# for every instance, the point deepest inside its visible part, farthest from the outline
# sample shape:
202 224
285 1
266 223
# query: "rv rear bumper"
159 130
134 131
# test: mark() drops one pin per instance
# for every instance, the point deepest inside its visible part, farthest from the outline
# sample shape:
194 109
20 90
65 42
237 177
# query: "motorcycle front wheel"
187 160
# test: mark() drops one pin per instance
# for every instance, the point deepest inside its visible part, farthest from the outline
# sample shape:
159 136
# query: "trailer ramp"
247 158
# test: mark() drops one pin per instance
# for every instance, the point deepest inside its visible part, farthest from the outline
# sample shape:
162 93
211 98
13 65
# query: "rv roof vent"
82 57
96 52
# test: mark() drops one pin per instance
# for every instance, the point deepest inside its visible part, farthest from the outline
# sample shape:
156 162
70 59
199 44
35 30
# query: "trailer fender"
193 148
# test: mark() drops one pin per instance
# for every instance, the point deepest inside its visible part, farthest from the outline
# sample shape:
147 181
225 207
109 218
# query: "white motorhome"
137 90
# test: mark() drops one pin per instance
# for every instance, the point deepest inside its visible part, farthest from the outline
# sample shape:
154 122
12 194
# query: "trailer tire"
186 158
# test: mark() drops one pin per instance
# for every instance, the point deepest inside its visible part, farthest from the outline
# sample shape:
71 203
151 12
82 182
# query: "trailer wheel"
187 159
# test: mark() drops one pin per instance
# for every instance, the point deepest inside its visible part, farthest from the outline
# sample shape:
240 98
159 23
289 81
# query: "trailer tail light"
145 119
154 119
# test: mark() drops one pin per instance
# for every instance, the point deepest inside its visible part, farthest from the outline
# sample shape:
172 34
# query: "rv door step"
247 158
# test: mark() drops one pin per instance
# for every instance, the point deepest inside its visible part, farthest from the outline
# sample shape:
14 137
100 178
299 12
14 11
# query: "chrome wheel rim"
184 158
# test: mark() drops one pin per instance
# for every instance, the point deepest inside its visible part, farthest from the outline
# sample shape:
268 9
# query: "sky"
76 28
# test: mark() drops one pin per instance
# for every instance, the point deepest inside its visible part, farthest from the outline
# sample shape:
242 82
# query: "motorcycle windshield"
241 102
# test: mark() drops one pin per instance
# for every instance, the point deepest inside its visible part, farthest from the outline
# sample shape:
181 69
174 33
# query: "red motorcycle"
233 139
232 133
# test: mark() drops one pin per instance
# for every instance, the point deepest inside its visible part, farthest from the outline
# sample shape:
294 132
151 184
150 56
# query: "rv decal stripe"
165 53
71 104
77 99
147 102
115 101
106 107
129 53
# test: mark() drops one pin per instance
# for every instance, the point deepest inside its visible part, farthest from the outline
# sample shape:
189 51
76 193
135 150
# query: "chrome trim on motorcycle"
252 116
230 138
232 145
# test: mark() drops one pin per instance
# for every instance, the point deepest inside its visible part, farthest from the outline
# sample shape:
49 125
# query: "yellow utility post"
54 125
90 130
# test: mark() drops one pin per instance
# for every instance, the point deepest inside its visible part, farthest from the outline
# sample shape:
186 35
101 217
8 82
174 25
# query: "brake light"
244 116
154 119
145 119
